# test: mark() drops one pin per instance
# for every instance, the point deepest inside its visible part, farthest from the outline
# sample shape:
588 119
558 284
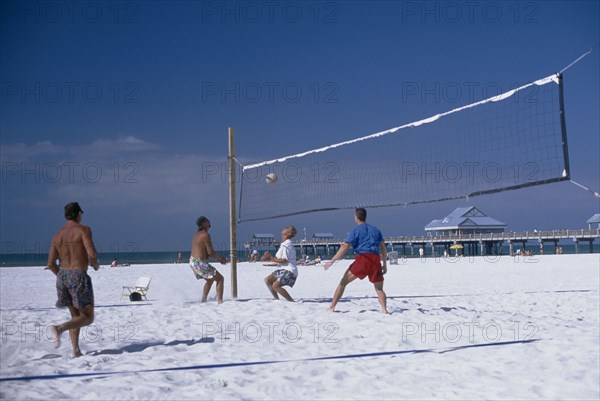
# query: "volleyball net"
513 140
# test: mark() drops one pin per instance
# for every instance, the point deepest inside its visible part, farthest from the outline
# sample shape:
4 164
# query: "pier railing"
516 236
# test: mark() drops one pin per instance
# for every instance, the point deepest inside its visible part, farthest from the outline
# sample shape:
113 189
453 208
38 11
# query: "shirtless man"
202 250
73 245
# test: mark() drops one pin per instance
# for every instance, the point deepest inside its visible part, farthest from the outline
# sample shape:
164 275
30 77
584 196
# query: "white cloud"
114 173
127 144
21 152
130 191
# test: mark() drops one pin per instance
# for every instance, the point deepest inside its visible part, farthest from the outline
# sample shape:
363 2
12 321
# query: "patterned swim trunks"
285 277
74 288
202 269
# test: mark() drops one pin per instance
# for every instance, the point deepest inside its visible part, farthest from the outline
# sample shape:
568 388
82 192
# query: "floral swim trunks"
74 288
202 269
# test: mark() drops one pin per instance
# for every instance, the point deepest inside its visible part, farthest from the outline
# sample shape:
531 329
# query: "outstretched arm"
338 255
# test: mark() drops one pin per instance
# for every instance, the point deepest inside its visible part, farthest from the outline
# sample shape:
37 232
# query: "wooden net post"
232 216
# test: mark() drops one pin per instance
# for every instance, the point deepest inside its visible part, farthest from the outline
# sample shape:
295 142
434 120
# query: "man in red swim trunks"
367 242
73 245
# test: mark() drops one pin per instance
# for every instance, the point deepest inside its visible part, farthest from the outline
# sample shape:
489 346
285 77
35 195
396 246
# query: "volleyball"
271 178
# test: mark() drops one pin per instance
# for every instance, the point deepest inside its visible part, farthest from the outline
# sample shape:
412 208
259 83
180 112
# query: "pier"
472 244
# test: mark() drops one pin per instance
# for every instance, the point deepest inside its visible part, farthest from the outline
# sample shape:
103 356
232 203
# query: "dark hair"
201 221
361 214
72 210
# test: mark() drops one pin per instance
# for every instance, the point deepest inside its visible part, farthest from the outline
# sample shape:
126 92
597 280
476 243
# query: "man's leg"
74 333
79 318
339 291
220 286
277 287
206 288
269 280
381 296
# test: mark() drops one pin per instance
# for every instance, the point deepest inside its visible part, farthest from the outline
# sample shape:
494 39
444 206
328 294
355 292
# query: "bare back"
73 245
202 245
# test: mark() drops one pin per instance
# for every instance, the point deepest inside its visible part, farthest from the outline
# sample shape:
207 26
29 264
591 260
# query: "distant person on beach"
254 256
287 272
179 258
74 246
115 263
367 242
266 256
304 259
309 262
202 250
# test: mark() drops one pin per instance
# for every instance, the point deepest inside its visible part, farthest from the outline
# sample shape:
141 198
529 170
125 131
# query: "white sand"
446 308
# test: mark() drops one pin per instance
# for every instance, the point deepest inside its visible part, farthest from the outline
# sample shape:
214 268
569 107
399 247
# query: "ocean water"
132 258
135 258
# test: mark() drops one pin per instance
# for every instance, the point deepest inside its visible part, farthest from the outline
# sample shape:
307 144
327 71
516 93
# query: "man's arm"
289 248
282 261
90 248
338 255
52 256
383 249
211 252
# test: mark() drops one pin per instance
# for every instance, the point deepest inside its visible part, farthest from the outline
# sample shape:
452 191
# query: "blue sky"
124 106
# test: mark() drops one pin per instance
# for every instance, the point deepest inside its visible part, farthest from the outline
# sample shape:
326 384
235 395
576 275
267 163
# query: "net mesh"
509 141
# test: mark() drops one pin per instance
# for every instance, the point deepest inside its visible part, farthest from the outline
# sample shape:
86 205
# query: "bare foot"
330 309
55 336
76 354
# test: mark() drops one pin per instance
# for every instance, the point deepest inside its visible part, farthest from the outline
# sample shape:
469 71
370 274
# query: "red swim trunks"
367 264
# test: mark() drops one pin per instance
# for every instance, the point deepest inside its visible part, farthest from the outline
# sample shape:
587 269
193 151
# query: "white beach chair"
141 287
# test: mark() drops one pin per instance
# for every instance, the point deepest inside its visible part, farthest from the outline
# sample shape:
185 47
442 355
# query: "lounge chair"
141 287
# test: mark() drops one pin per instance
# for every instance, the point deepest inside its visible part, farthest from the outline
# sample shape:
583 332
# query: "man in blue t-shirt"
367 242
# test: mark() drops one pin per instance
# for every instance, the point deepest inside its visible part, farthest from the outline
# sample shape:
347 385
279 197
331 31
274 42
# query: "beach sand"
466 328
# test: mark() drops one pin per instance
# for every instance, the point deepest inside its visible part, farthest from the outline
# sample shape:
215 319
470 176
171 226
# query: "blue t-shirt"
365 238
